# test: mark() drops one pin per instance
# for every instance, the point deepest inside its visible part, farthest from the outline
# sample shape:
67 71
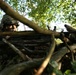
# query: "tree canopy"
45 11
39 43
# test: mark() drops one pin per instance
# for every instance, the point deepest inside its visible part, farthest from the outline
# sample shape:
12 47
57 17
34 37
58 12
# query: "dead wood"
16 69
48 57
61 52
15 49
31 42
17 34
65 40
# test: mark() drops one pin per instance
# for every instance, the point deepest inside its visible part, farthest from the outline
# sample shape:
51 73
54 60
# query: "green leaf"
67 72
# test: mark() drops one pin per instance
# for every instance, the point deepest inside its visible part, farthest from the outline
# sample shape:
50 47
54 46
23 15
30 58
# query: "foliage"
38 18
44 11
67 72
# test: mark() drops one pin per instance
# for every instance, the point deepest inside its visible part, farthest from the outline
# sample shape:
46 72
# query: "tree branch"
17 69
19 33
48 57
8 10
15 49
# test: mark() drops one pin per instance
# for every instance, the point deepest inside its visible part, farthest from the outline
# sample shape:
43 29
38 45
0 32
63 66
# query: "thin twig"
72 55
65 42
15 49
